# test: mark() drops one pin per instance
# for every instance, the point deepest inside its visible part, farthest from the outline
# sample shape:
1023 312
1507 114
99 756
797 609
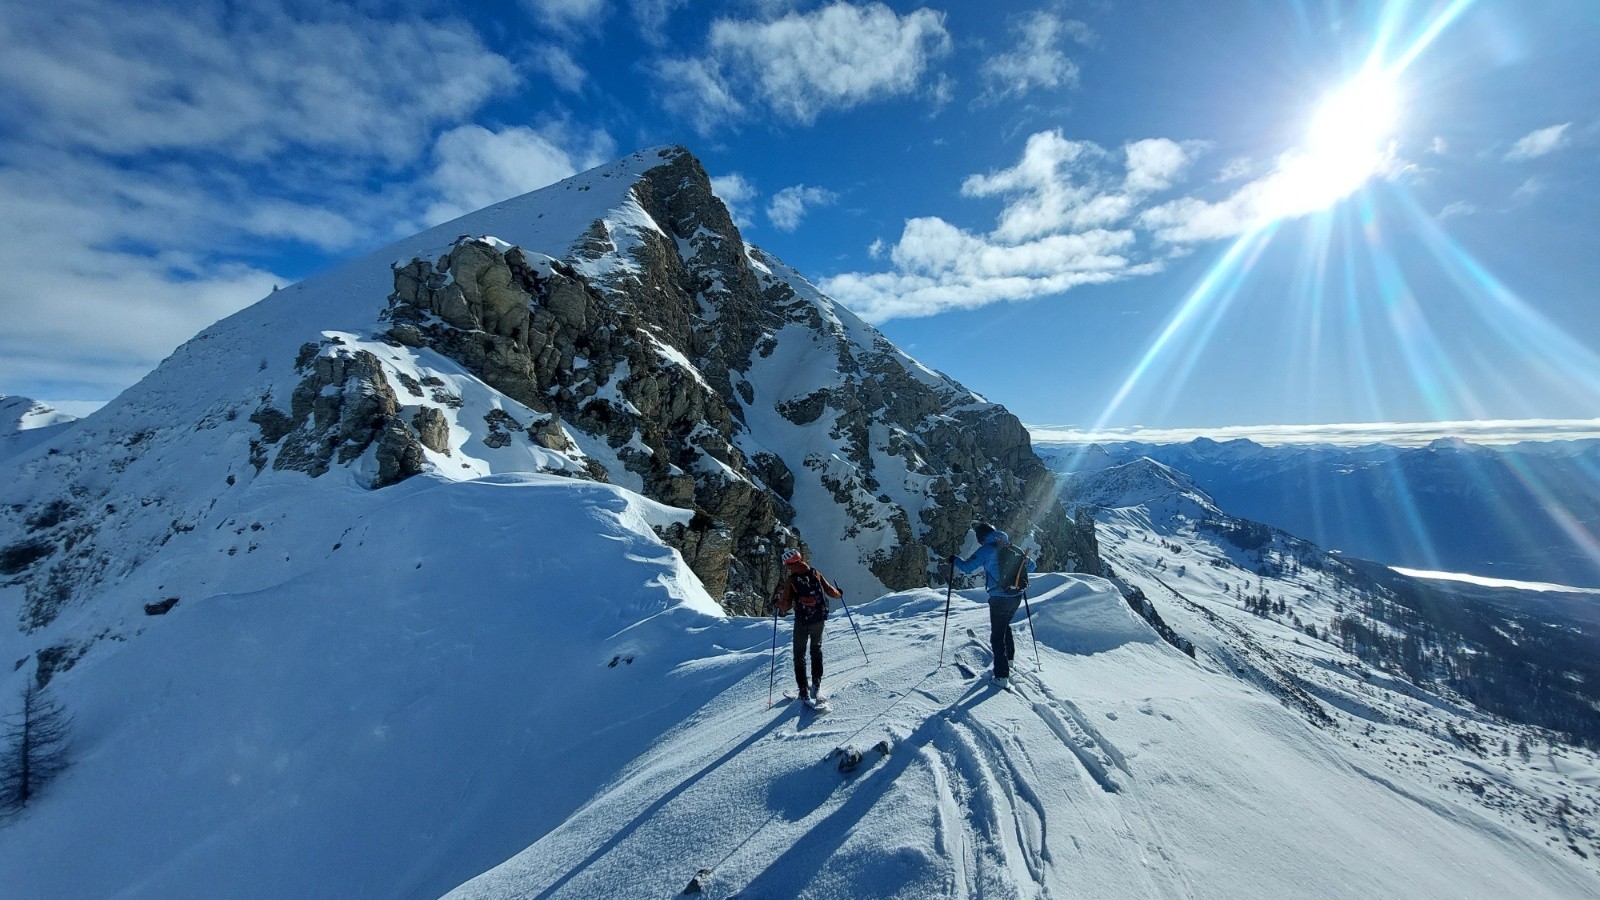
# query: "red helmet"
791 557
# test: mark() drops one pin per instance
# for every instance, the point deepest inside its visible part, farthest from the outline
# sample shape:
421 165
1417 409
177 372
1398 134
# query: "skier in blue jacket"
1003 598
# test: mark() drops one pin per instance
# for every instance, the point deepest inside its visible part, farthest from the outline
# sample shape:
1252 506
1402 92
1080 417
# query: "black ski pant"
1001 610
808 633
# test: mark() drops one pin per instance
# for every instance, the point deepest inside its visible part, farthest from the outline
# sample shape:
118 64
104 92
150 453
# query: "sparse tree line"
1451 648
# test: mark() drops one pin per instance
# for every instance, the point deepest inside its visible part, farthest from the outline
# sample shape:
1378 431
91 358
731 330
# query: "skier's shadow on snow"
810 852
648 812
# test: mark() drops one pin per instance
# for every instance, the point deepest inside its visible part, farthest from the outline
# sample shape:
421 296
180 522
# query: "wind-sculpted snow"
1133 773
1076 615
433 688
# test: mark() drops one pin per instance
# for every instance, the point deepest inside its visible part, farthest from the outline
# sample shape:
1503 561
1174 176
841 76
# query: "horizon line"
1400 434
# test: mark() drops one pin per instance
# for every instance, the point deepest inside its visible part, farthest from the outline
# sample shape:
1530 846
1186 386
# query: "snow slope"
548 699
447 681
1121 768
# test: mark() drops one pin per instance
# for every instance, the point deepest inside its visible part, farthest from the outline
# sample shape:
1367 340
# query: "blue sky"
1104 215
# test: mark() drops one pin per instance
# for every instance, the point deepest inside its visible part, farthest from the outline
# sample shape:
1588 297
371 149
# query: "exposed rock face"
342 407
719 380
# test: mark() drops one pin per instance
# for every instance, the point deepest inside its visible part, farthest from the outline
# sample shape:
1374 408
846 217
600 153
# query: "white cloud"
1046 184
1458 208
1061 184
166 141
1538 143
1300 182
568 15
1154 164
476 167
252 82
564 71
696 91
735 191
877 248
652 16
314 225
1190 220
837 57
789 205
1439 146
112 268
1067 222
1035 62
1236 169
93 319
1076 214
1529 190
939 267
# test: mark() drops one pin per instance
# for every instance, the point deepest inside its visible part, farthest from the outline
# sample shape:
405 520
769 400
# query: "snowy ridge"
1165 494
25 422
1119 768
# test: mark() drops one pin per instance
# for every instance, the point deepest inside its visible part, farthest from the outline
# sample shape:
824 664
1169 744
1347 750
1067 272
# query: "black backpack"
1013 567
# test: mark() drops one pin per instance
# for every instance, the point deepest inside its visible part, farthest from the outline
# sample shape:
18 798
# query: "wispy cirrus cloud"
558 64
1538 143
801 65
568 15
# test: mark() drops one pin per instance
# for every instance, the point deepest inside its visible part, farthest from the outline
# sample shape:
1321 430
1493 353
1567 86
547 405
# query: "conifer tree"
34 748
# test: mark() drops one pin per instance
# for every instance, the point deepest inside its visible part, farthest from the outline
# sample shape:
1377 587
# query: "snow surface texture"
392 709
1121 768
427 694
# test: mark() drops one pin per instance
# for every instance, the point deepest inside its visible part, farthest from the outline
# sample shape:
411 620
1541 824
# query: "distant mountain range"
1528 512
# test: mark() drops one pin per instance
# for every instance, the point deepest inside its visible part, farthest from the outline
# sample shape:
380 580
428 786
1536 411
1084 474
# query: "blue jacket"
987 556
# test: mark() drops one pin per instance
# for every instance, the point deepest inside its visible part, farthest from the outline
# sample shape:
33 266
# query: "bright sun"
1347 143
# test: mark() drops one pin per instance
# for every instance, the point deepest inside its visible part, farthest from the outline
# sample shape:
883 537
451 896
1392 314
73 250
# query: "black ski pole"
853 627
950 587
1037 664
772 669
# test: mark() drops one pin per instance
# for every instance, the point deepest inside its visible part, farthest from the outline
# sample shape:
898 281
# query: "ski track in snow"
1057 787
985 756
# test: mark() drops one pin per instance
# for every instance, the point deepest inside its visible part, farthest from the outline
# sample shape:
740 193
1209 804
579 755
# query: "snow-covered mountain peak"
25 422
18 414
1143 482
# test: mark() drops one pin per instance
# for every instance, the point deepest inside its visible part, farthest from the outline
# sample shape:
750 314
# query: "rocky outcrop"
604 361
656 331
342 407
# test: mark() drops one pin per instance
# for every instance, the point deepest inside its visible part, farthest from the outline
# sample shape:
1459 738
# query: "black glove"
953 559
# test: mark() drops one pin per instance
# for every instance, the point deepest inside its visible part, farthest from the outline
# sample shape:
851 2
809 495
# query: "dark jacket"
807 594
